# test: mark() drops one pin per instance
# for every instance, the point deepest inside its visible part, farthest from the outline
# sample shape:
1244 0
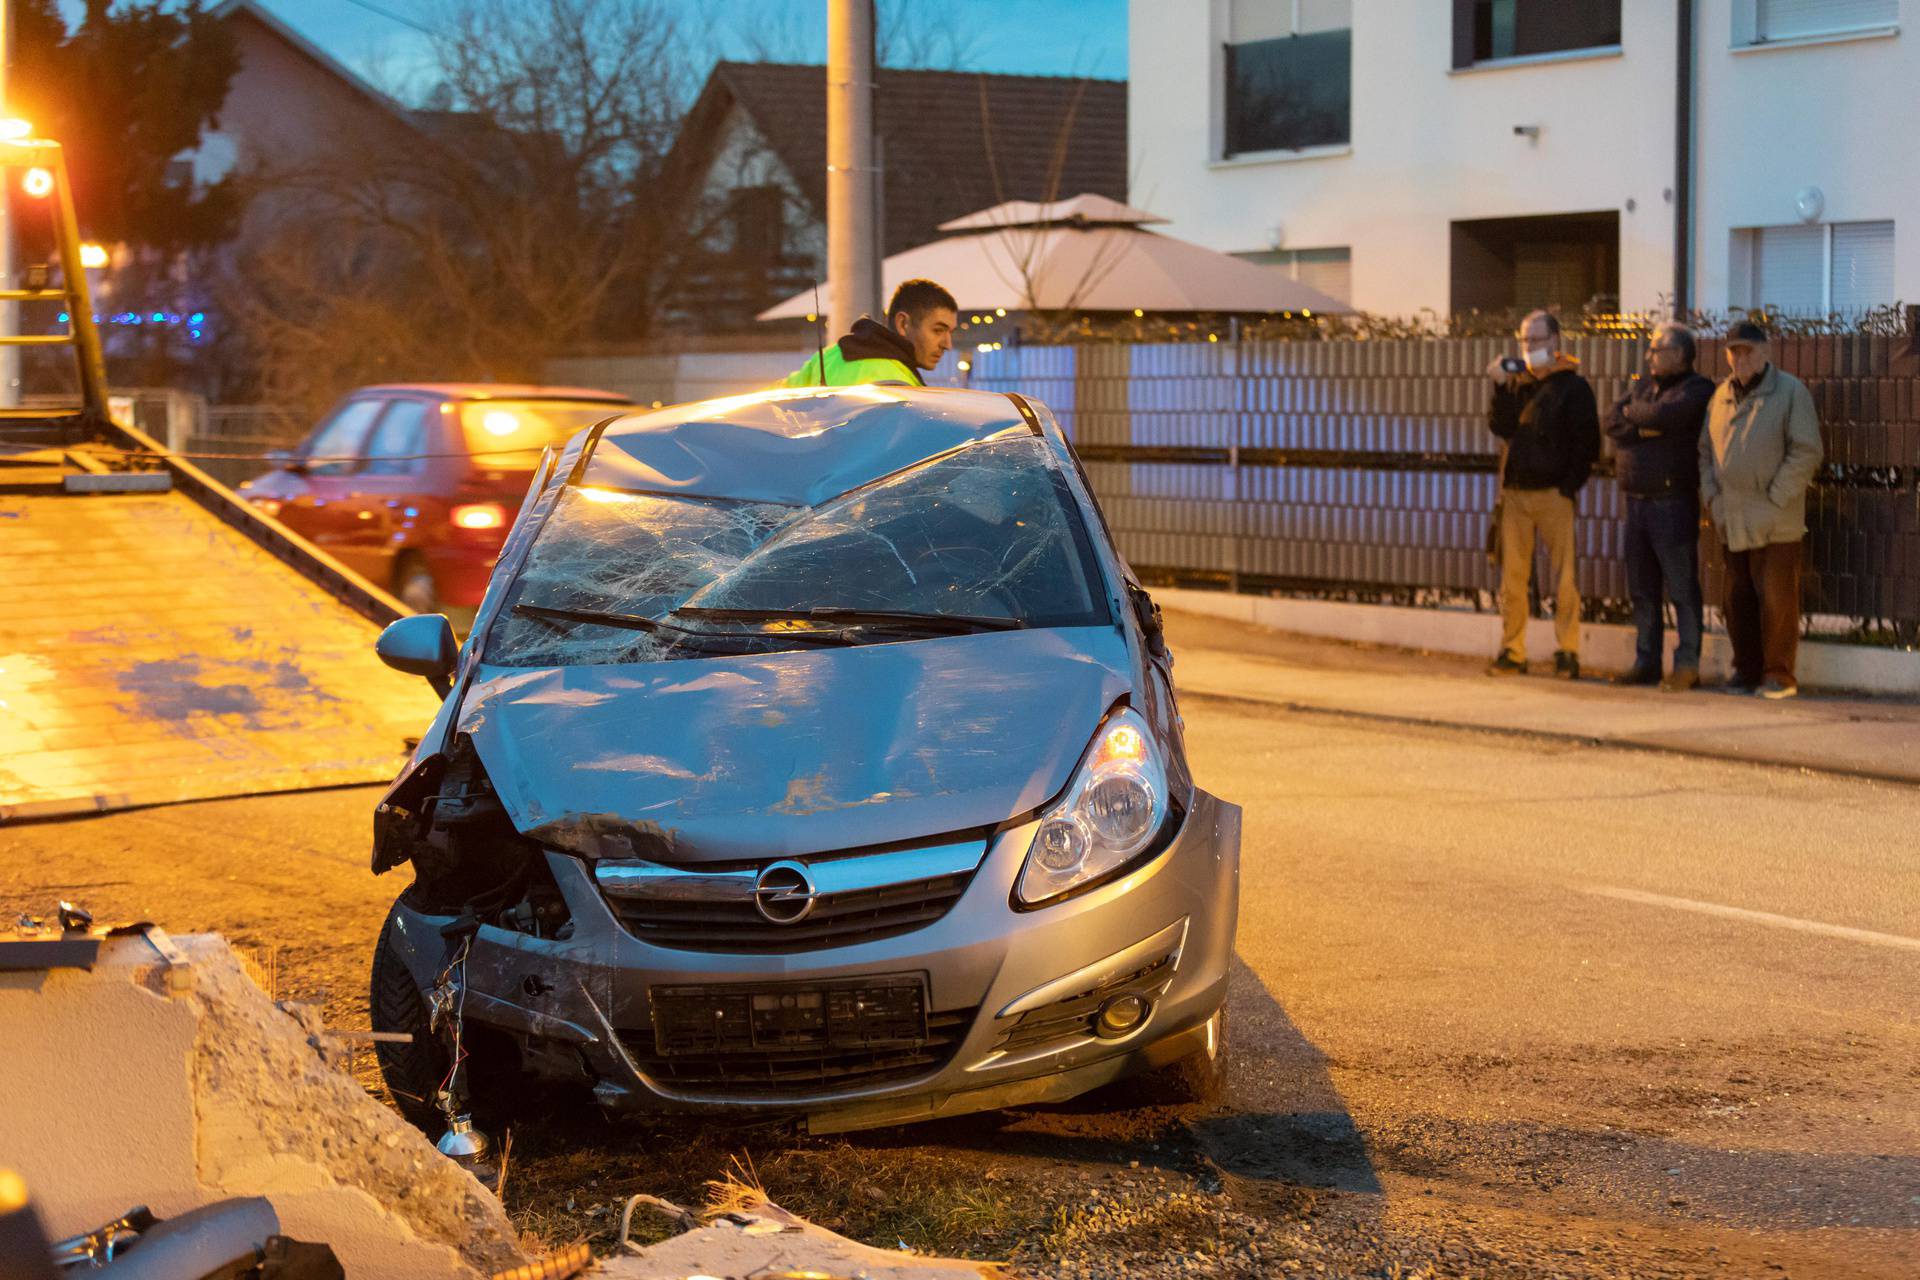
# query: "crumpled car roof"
798 447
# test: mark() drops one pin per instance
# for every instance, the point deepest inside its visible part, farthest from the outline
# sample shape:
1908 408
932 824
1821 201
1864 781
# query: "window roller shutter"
1862 265
1250 20
1789 19
1788 266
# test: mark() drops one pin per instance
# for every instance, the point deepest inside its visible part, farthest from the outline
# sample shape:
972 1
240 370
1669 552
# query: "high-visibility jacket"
870 353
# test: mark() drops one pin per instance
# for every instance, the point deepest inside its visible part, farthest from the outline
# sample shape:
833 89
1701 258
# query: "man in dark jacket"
1545 415
1655 429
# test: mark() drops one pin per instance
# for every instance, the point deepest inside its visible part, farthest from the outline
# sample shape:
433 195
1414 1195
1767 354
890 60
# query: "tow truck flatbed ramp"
160 640
153 652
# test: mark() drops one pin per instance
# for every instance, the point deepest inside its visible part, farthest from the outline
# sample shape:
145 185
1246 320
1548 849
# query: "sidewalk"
1863 737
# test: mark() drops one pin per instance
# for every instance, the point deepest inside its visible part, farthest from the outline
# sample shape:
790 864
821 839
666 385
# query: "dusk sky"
385 41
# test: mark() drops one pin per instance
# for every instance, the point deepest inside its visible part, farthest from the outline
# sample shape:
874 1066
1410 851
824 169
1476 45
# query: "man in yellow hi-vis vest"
921 319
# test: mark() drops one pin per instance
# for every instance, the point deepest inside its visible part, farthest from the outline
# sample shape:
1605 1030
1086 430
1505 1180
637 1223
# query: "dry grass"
736 1190
574 1170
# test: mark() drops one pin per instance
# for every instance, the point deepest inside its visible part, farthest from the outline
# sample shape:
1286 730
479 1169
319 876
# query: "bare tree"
524 218
1029 257
921 35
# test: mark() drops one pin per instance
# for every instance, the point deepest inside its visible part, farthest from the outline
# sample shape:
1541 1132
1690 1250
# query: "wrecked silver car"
813 752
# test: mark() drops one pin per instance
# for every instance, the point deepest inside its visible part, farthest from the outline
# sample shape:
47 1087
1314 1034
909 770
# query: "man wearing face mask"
1655 429
1757 457
1544 413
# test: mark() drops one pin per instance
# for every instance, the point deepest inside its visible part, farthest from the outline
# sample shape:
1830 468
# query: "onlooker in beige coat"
1757 457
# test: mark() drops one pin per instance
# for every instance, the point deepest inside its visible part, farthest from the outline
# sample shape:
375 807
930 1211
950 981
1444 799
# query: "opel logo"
784 893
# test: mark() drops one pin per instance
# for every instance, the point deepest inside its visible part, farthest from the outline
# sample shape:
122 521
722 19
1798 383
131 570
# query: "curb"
1603 646
1554 735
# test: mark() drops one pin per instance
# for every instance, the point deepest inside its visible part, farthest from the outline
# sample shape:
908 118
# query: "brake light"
480 515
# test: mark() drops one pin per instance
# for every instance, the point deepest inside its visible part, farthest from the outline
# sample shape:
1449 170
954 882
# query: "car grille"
771 1072
837 919
1073 1016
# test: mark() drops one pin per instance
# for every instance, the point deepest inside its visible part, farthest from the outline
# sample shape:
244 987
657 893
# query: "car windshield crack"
981 538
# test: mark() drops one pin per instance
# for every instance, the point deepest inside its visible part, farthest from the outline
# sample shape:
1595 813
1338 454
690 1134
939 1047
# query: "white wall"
1838 115
743 159
1431 145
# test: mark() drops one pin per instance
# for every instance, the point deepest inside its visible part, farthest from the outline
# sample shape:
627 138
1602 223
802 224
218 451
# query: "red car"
413 485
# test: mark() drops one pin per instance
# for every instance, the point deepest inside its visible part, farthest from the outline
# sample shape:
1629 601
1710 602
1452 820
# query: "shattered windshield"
986 533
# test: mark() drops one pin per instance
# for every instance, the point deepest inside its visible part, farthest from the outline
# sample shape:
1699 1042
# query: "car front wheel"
413 1070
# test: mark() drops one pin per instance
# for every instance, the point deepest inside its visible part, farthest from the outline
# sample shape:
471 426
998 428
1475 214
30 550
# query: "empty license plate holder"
801 1017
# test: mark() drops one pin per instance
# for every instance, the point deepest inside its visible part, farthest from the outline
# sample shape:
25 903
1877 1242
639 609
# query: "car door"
380 489
326 465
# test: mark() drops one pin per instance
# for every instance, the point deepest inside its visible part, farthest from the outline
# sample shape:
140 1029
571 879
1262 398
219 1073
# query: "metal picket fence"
1365 468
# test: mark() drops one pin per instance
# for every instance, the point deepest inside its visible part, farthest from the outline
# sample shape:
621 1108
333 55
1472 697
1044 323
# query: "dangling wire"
459 1010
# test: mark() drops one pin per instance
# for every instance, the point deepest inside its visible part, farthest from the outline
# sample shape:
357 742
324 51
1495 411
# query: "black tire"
1196 1079
413 1071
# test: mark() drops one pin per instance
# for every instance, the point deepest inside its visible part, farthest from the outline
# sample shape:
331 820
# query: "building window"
1289 75
1567 260
1494 30
757 216
1328 270
1766 21
1842 268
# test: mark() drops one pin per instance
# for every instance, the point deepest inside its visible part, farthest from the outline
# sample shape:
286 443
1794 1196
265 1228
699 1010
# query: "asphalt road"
1504 1007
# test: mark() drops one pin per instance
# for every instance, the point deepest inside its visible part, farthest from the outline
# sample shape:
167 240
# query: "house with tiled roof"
751 164
289 103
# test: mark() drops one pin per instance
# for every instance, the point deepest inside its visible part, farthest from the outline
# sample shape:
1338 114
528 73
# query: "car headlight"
1110 814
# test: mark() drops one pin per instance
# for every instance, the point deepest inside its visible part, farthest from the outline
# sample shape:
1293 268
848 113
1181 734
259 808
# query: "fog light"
1120 1016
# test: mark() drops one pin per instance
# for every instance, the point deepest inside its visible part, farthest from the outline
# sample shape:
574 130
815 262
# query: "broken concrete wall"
138 1082
756 1237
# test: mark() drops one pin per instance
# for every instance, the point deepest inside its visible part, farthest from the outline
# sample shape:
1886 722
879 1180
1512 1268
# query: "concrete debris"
130 1086
335 1051
759 1238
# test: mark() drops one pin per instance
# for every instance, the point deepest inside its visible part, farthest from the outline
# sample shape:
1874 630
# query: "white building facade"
1454 155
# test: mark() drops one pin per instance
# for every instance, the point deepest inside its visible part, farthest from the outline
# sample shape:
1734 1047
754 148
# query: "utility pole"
9 311
1683 164
853 268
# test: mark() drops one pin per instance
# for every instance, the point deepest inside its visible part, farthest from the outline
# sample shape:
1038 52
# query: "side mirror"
421 645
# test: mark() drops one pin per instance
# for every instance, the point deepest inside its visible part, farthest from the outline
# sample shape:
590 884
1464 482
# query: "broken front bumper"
1009 996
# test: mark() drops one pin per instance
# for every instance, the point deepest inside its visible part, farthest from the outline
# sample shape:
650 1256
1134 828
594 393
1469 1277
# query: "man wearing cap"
1757 457
1655 429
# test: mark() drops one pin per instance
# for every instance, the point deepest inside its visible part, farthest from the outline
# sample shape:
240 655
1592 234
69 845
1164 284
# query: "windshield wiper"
632 621
669 632
949 623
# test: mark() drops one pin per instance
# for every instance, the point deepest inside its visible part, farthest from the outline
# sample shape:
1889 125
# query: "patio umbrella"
1088 253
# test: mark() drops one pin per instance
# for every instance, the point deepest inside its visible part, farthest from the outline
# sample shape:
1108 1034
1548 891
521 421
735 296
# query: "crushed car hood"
784 754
